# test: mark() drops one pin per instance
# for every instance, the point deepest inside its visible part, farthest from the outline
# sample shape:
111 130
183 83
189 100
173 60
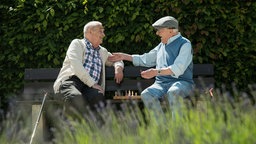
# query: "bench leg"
39 133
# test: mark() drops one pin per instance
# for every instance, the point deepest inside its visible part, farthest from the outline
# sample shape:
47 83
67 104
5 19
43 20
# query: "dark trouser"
81 97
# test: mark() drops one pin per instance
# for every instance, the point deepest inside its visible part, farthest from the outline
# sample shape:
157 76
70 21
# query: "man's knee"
173 91
177 92
148 97
69 91
145 95
176 96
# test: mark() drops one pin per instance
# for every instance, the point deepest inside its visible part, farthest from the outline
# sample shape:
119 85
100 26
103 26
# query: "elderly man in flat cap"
173 72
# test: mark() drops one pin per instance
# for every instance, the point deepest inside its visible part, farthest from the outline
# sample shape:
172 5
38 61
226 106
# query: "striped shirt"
92 63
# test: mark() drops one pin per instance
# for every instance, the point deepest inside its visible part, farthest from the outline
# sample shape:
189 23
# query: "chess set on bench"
127 95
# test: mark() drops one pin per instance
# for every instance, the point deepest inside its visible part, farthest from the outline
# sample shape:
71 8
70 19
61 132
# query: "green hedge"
36 33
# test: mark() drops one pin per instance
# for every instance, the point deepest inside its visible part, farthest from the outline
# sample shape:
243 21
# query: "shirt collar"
89 45
173 38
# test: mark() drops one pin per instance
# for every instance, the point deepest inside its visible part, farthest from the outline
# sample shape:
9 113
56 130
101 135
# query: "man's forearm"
118 68
127 57
164 71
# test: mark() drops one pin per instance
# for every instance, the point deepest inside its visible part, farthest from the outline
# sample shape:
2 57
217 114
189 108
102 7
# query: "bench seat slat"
38 87
204 82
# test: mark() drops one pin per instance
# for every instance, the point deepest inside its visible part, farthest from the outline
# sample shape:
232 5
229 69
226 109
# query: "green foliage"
37 33
221 119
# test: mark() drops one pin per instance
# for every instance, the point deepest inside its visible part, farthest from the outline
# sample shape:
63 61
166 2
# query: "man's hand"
119 57
116 57
98 87
119 74
148 74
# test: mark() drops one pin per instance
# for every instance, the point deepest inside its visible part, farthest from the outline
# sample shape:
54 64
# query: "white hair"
91 24
175 30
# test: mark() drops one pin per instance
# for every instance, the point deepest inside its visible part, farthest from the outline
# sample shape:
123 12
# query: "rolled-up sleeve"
182 61
119 63
146 60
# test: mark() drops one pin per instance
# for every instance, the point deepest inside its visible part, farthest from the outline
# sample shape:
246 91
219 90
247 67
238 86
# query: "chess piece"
118 93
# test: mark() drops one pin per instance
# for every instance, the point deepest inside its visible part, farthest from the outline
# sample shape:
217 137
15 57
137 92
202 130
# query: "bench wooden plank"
129 71
204 82
41 74
128 84
203 70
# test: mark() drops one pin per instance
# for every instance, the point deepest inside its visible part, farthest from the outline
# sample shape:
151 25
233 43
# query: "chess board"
126 97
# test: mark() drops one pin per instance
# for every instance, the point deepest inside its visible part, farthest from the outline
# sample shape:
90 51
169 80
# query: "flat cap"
166 22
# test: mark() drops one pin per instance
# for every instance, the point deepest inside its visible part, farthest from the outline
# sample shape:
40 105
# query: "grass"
225 119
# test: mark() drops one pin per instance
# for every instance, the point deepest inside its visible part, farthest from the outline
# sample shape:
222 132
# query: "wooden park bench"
38 81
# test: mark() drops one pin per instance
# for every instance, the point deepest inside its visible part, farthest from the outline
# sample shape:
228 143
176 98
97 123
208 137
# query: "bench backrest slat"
129 84
129 71
203 70
41 74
